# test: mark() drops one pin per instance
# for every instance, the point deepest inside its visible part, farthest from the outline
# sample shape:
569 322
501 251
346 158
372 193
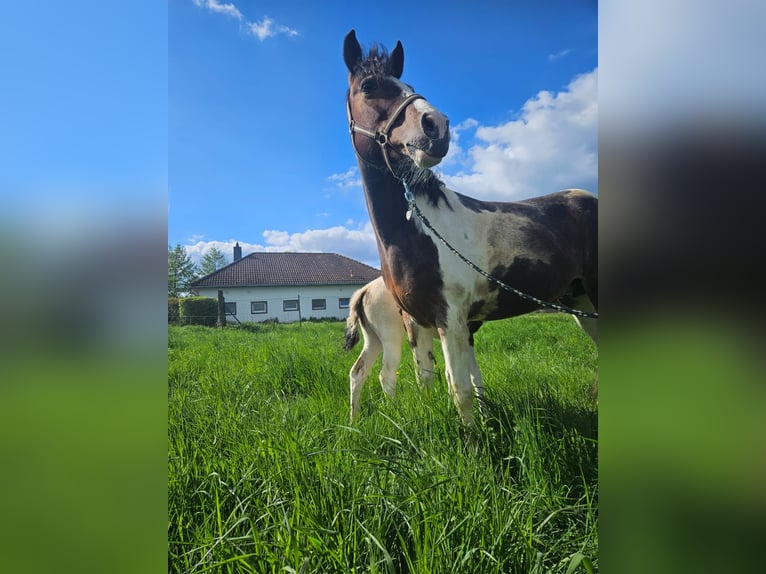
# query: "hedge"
173 311
198 311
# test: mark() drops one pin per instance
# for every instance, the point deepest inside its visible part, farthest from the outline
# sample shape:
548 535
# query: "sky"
258 145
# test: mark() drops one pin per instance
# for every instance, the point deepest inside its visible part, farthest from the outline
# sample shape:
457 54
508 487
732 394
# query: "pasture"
265 473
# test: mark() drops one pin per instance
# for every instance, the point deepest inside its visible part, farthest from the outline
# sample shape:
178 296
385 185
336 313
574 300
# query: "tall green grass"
267 475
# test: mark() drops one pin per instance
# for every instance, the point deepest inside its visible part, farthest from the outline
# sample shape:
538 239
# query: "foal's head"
390 124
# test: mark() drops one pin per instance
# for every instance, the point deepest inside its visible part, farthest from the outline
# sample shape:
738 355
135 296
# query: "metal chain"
412 207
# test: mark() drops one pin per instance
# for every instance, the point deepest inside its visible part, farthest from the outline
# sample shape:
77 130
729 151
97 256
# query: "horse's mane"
422 181
376 63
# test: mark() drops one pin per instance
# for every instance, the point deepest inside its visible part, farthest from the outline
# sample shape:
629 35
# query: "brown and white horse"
545 247
374 311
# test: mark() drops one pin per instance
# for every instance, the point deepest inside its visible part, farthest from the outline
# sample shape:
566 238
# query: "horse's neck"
408 257
385 202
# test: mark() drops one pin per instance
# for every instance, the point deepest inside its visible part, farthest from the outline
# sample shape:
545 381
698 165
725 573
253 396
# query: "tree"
181 270
212 260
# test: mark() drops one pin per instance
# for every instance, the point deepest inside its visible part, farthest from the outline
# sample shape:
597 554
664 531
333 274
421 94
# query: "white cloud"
266 28
357 243
557 55
262 29
227 9
456 155
198 247
553 145
347 179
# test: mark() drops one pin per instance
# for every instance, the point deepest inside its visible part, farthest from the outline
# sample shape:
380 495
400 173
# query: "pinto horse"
544 247
374 311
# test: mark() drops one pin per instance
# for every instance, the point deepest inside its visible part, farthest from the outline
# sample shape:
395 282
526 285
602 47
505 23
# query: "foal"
374 310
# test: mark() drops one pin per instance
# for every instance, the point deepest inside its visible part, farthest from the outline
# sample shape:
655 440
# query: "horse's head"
387 119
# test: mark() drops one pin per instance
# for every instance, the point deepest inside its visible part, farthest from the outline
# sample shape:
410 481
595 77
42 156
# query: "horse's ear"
352 51
397 60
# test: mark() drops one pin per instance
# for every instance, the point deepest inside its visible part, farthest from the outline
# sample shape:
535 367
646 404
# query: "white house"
287 287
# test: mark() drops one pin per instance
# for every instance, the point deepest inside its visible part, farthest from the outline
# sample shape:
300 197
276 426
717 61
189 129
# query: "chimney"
237 252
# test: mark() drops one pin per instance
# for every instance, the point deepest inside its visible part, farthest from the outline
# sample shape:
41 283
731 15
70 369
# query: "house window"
290 305
343 303
318 304
230 308
257 307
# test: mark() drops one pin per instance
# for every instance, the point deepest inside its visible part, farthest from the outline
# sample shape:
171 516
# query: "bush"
173 312
198 311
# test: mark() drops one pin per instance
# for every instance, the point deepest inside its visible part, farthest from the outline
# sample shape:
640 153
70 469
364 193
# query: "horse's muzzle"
422 158
433 144
436 130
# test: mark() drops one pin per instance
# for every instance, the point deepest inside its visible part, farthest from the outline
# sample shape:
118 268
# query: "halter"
381 136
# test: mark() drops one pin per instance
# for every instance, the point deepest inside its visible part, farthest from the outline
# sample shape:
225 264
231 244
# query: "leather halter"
381 136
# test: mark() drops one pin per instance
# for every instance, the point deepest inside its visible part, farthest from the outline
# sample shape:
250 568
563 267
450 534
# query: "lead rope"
412 207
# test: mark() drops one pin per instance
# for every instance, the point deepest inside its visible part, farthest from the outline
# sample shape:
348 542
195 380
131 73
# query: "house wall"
275 296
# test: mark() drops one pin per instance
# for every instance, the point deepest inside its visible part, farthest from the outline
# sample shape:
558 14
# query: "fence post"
221 310
300 317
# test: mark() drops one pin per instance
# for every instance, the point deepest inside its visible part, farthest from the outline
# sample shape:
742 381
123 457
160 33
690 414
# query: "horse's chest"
415 279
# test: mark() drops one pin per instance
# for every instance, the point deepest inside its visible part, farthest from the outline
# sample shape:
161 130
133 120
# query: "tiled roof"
281 269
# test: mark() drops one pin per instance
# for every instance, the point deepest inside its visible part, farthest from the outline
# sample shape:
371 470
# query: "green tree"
181 270
212 260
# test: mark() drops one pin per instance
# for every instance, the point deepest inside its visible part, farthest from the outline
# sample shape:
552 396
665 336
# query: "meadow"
265 473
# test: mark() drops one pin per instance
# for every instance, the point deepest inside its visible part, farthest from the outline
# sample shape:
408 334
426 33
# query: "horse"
383 324
449 260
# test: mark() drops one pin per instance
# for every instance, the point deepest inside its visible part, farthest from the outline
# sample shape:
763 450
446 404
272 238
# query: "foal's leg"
458 367
392 356
362 366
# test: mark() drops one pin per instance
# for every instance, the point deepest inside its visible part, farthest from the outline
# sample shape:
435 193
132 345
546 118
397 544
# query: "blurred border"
682 168
83 334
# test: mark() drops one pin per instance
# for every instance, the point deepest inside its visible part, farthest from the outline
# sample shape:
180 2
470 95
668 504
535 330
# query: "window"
318 304
343 303
290 305
230 308
257 307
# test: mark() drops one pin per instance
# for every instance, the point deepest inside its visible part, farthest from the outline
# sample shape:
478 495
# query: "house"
286 287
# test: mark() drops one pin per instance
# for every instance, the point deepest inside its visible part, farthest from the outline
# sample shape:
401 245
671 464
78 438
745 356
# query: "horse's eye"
369 86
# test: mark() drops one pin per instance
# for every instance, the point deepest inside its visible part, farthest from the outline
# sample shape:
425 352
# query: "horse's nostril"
429 127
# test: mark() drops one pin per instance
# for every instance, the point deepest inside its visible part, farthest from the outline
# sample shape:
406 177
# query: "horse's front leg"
476 379
422 344
590 326
477 382
458 366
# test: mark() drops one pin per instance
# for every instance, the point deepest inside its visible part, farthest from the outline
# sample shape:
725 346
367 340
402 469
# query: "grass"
267 475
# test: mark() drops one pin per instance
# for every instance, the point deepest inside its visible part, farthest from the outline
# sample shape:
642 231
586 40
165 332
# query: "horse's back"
582 199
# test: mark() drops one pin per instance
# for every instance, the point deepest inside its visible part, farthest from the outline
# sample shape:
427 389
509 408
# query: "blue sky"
83 107
258 145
